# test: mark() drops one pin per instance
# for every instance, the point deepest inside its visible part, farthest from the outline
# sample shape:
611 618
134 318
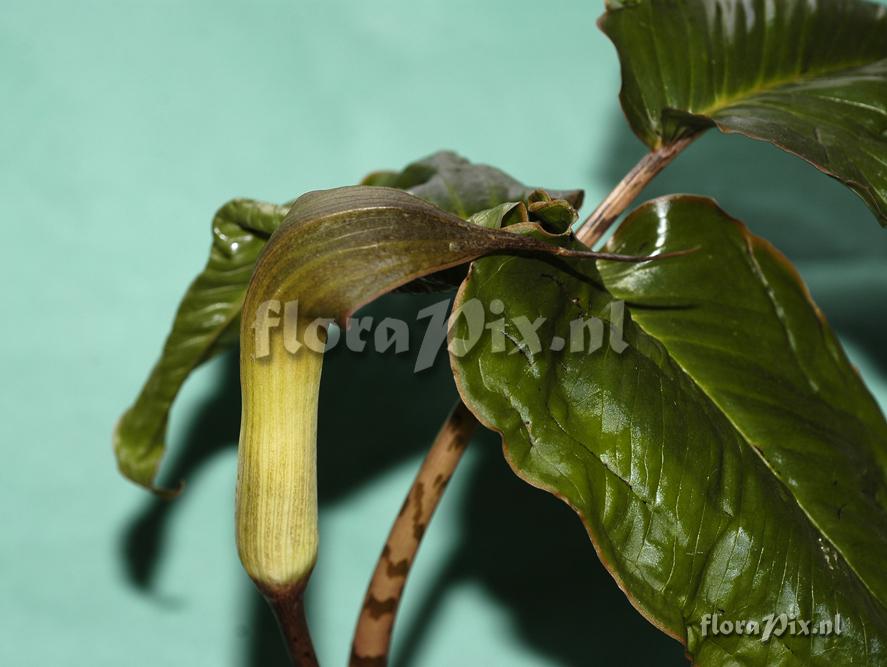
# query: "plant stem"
372 638
600 220
289 609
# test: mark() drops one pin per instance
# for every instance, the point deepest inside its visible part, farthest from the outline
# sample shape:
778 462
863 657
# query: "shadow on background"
528 550
214 427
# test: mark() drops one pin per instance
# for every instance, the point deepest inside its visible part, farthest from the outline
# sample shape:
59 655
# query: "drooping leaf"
809 76
207 319
728 461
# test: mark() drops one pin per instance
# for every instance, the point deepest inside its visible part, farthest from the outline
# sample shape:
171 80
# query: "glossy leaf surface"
809 76
738 319
727 461
206 322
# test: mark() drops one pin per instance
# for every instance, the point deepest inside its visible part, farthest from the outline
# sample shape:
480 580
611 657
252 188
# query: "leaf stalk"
614 204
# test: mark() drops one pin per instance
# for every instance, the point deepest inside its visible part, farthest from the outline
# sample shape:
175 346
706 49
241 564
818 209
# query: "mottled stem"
372 639
289 609
600 220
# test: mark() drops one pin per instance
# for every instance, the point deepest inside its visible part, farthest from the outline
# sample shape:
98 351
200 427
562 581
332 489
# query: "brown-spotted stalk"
372 638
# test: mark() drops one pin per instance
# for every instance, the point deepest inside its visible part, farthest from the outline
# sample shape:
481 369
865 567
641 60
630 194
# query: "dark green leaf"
740 321
809 76
728 461
456 185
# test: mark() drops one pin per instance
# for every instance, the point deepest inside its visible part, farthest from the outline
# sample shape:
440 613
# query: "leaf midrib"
725 103
740 432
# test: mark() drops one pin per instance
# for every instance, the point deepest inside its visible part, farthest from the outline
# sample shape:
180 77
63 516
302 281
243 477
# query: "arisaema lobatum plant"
678 388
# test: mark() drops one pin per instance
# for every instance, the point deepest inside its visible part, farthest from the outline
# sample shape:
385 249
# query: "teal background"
124 126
